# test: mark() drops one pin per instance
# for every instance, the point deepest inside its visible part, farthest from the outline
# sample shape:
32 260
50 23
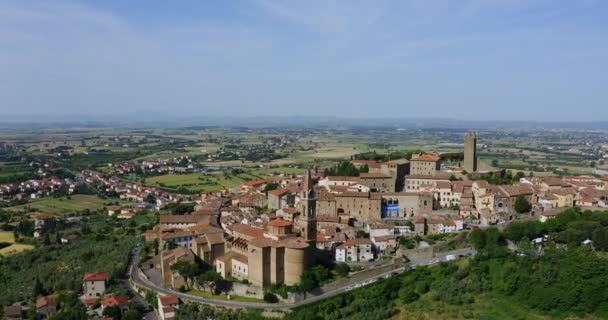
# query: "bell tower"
308 200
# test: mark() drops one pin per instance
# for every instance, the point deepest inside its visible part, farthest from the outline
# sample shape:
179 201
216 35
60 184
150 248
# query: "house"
549 214
115 301
355 250
112 210
427 164
233 264
43 223
14 312
94 284
45 306
587 202
383 243
280 198
167 306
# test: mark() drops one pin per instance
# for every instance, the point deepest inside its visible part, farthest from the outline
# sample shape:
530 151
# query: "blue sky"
465 59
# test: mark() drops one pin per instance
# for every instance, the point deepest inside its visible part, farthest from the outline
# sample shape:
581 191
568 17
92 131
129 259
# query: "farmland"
8 237
63 205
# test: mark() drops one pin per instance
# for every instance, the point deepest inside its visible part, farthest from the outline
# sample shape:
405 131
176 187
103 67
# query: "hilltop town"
256 233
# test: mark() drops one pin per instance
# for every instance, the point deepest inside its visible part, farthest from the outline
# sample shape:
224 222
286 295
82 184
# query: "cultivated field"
63 205
8 237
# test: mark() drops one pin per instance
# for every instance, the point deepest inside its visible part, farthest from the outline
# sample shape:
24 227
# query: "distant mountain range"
157 120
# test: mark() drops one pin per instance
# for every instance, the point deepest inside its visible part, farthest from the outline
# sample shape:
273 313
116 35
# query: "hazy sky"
477 59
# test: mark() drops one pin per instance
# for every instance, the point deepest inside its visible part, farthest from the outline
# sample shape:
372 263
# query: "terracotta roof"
168 300
444 185
356 242
279 223
279 192
45 301
341 178
246 230
398 162
427 157
256 183
95 276
112 301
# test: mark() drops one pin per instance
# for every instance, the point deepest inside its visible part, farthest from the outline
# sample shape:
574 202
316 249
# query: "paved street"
137 277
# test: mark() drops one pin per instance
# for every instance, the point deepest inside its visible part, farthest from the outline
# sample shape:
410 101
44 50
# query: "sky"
461 59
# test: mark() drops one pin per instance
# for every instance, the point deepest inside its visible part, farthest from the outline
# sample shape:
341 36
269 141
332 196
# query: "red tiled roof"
341 178
45 301
427 157
246 230
115 301
279 192
168 300
279 223
95 276
255 183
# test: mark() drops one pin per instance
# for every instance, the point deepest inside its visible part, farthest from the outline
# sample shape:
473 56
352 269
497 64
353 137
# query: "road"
137 277
149 313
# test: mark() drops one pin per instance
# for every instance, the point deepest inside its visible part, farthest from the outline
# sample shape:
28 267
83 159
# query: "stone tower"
308 202
470 151
308 220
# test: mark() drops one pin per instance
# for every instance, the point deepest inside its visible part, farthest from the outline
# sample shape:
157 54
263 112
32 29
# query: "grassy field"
200 182
208 295
63 205
15 247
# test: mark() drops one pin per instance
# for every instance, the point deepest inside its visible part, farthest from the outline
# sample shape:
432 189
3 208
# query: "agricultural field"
63 205
8 237
197 182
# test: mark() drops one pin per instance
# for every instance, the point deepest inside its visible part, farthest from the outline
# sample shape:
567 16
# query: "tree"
270 297
209 279
270 186
47 240
186 269
522 205
600 239
113 312
342 269
38 289
132 314
151 199
494 163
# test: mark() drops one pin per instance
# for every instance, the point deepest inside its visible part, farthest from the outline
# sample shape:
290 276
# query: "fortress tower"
470 151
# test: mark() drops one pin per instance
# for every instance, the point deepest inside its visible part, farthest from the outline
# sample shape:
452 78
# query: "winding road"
141 280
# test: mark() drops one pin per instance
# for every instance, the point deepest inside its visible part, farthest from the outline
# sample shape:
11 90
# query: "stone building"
428 164
401 205
280 198
470 151
378 181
